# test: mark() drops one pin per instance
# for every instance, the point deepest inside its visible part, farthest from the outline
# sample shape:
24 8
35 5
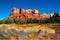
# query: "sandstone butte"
16 13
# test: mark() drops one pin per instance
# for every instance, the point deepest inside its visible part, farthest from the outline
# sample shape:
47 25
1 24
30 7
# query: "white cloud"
2 18
44 13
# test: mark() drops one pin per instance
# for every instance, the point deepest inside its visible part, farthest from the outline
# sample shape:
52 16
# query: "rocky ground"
29 32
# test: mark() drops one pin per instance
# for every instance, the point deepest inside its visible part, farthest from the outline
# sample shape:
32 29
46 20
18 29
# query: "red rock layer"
26 14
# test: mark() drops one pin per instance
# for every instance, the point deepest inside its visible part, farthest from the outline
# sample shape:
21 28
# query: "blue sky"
43 6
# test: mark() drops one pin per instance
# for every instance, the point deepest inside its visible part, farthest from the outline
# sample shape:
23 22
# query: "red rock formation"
21 13
45 16
26 14
14 13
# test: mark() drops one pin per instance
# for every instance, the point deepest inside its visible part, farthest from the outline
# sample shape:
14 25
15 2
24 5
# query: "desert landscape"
28 24
29 19
29 32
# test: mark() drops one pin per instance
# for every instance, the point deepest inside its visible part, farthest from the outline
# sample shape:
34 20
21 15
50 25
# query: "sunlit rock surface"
16 13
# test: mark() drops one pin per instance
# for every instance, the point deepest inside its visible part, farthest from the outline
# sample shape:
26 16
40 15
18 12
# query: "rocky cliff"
26 14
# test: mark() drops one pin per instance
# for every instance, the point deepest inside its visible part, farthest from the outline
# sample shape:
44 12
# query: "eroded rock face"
45 16
26 14
21 13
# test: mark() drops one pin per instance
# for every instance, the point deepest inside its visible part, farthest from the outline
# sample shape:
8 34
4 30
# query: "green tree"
35 21
9 21
30 21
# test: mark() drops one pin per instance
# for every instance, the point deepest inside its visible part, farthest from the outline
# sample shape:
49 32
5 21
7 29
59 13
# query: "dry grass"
32 26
